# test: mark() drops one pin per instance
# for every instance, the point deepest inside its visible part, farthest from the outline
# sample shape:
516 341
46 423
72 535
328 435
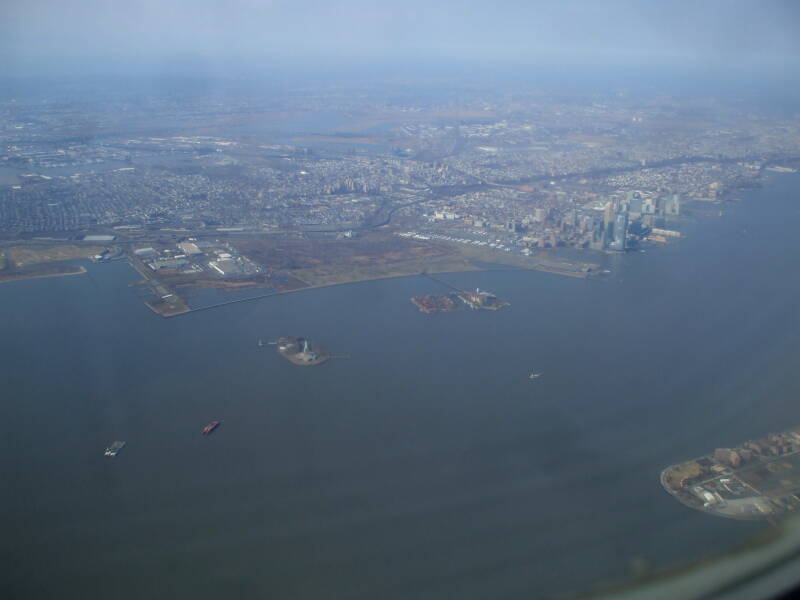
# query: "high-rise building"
672 206
620 232
608 214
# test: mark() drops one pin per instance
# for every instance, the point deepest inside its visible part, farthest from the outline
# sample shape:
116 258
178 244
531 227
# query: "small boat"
114 448
208 429
260 343
534 376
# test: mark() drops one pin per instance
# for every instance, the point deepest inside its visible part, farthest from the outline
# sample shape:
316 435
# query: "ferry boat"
208 429
114 448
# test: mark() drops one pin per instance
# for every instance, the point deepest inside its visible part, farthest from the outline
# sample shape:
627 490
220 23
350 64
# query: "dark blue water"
426 466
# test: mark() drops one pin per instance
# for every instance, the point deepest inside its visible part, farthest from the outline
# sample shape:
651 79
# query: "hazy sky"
709 32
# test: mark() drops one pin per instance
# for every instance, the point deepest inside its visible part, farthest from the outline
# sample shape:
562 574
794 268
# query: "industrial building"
168 263
225 267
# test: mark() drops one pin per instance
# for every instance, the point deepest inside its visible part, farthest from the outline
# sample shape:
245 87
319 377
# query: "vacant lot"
22 256
370 250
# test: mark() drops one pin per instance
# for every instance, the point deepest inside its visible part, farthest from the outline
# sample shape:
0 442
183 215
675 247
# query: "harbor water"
428 464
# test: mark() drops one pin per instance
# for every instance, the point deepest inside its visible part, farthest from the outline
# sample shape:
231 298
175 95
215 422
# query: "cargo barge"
209 429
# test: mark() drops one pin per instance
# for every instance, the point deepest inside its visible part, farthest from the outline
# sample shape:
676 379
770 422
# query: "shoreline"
341 283
674 493
758 479
21 277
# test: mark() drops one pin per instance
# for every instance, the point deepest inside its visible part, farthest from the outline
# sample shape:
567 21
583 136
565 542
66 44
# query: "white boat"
535 376
114 448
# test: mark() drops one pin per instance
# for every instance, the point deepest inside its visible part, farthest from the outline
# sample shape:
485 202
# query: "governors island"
759 479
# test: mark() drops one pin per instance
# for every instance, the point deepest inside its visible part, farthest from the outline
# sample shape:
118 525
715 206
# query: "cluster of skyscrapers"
621 215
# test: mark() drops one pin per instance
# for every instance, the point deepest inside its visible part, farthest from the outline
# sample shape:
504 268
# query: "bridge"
442 282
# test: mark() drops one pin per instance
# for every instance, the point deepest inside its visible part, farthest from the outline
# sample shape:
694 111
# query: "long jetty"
240 300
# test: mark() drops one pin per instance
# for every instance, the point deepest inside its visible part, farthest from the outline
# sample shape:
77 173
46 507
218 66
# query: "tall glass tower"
620 232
